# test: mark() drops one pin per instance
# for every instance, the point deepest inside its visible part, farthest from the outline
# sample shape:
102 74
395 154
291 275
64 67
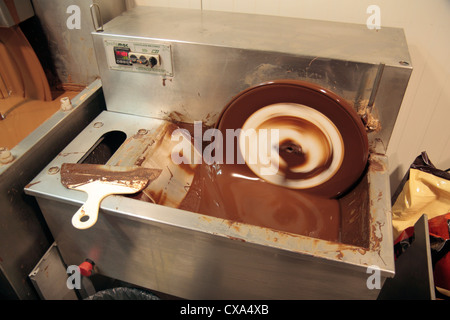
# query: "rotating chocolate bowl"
194 95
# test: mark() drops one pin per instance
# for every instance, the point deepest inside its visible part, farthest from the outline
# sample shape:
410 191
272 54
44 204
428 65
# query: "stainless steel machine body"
203 59
24 237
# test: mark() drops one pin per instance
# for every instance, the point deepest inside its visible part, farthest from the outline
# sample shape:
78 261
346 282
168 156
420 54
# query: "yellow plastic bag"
426 191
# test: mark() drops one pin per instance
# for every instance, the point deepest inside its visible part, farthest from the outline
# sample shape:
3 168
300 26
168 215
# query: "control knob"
153 62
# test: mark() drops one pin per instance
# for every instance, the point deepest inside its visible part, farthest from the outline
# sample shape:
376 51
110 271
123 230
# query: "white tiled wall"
424 119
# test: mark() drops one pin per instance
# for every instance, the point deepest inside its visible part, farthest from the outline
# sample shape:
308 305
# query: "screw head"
66 104
5 155
53 170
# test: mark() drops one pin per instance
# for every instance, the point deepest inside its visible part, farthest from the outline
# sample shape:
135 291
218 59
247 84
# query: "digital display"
121 55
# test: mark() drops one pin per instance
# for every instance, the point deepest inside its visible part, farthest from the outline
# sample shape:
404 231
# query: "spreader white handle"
87 215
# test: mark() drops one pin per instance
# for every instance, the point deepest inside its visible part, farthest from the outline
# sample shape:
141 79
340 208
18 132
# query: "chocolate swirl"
296 146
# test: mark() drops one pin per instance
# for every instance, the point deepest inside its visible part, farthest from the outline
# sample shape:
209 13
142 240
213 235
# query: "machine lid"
334 40
321 143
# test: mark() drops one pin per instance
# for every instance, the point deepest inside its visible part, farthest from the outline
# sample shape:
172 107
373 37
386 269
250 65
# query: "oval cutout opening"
104 148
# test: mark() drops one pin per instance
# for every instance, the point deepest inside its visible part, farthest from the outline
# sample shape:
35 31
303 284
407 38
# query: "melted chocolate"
332 106
291 151
250 200
234 192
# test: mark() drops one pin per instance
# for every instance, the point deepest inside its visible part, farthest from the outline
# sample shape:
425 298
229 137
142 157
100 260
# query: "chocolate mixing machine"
177 80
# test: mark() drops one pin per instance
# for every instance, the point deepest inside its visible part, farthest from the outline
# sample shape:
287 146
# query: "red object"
439 231
440 228
86 268
406 234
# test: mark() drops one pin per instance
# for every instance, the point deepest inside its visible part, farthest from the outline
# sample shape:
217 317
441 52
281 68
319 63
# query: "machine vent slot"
104 148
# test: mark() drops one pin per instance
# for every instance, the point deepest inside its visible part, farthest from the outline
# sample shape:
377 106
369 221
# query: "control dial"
143 60
153 62
133 58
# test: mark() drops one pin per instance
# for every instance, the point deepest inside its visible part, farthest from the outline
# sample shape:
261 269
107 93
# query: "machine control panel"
148 57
